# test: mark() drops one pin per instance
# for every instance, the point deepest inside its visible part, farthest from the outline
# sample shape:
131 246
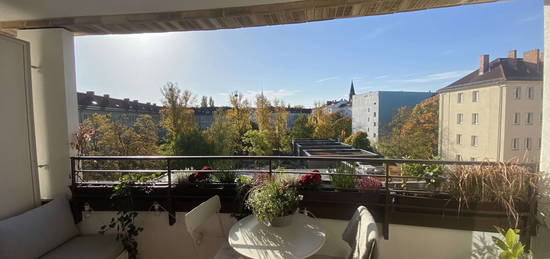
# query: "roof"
500 69
106 102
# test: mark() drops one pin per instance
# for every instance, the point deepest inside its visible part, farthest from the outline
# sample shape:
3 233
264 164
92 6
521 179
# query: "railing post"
270 168
171 211
387 204
73 173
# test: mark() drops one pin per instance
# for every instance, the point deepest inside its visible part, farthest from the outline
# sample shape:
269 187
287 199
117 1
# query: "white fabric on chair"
361 234
87 247
198 215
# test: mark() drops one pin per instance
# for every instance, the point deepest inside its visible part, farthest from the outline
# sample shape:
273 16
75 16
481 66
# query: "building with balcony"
373 111
495 112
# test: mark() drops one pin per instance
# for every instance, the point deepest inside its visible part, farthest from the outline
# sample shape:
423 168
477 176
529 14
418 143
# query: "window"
375 124
474 141
472 159
368 119
529 118
460 98
475 118
459 118
515 143
517 118
528 143
540 143
375 114
475 96
517 93
458 157
531 93
374 135
368 109
459 139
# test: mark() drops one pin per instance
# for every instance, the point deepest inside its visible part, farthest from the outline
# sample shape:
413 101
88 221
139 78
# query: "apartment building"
495 112
372 111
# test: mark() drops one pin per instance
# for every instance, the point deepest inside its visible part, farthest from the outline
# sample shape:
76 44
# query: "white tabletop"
301 239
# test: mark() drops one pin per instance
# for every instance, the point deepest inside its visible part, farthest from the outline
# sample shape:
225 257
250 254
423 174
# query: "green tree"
414 133
258 143
342 128
281 134
221 134
239 115
359 140
204 102
177 117
301 127
211 102
322 123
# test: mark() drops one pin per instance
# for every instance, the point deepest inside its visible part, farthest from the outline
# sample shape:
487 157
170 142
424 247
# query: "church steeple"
351 92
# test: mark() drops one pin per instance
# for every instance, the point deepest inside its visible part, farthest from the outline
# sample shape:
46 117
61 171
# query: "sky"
309 62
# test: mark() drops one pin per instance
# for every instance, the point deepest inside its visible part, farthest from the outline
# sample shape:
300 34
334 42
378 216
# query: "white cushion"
87 247
35 232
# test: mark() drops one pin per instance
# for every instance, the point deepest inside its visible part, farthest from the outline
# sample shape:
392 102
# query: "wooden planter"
341 204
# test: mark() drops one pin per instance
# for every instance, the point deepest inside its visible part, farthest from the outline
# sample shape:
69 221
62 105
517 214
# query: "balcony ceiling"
137 16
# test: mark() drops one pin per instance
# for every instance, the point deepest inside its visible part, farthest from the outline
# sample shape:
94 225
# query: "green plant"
124 223
342 177
504 184
242 186
510 245
226 175
272 199
431 173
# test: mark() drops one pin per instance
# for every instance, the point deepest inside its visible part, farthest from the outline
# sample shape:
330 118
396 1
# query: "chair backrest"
361 234
198 215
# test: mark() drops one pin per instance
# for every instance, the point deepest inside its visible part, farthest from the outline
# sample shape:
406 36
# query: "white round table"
301 239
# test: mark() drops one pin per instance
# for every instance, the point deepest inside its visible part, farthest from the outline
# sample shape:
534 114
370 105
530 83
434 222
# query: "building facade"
89 103
495 112
373 111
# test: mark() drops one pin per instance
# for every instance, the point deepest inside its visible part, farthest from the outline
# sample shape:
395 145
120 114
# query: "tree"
414 132
177 115
192 143
301 127
321 121
263 113
204 102
281 134
221 134
239 116
258 143
342 128
211 102
359 140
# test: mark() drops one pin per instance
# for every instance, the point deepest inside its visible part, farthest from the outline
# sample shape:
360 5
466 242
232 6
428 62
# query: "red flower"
311 179
368 183
199 176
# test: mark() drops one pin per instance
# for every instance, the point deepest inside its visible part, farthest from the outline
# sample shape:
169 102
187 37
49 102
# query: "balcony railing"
392 203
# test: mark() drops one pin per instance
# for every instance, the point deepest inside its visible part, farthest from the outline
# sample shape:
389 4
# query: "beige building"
495 112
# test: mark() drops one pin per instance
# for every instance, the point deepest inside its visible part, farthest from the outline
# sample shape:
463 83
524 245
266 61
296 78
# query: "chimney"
532 56
91 93
106 96
513 54
483 64
127 100
135 101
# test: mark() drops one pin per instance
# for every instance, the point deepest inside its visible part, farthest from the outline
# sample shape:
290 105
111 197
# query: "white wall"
541 241
55 105
159 240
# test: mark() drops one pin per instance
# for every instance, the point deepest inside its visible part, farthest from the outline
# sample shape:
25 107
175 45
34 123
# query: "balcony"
403 206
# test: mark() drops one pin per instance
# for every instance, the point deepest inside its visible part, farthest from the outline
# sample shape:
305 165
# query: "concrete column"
55 105
541 248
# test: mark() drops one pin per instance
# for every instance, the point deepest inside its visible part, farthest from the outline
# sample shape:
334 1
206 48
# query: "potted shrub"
273 202
367 183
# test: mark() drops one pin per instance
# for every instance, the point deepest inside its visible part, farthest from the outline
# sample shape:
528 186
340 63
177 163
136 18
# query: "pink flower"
368 183
311 179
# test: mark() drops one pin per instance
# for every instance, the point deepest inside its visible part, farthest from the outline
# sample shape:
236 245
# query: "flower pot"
281 221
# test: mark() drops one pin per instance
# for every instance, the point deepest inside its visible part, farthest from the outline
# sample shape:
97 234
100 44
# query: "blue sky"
304 63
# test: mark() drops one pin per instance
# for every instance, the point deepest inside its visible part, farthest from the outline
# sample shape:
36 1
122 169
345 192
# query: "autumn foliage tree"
414 132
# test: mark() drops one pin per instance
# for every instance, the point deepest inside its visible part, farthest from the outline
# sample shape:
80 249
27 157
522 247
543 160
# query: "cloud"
279 93
327 79
449 51
381 77
435 77
376 32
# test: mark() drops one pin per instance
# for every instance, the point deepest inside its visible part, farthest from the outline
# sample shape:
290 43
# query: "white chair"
199 215
360 234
